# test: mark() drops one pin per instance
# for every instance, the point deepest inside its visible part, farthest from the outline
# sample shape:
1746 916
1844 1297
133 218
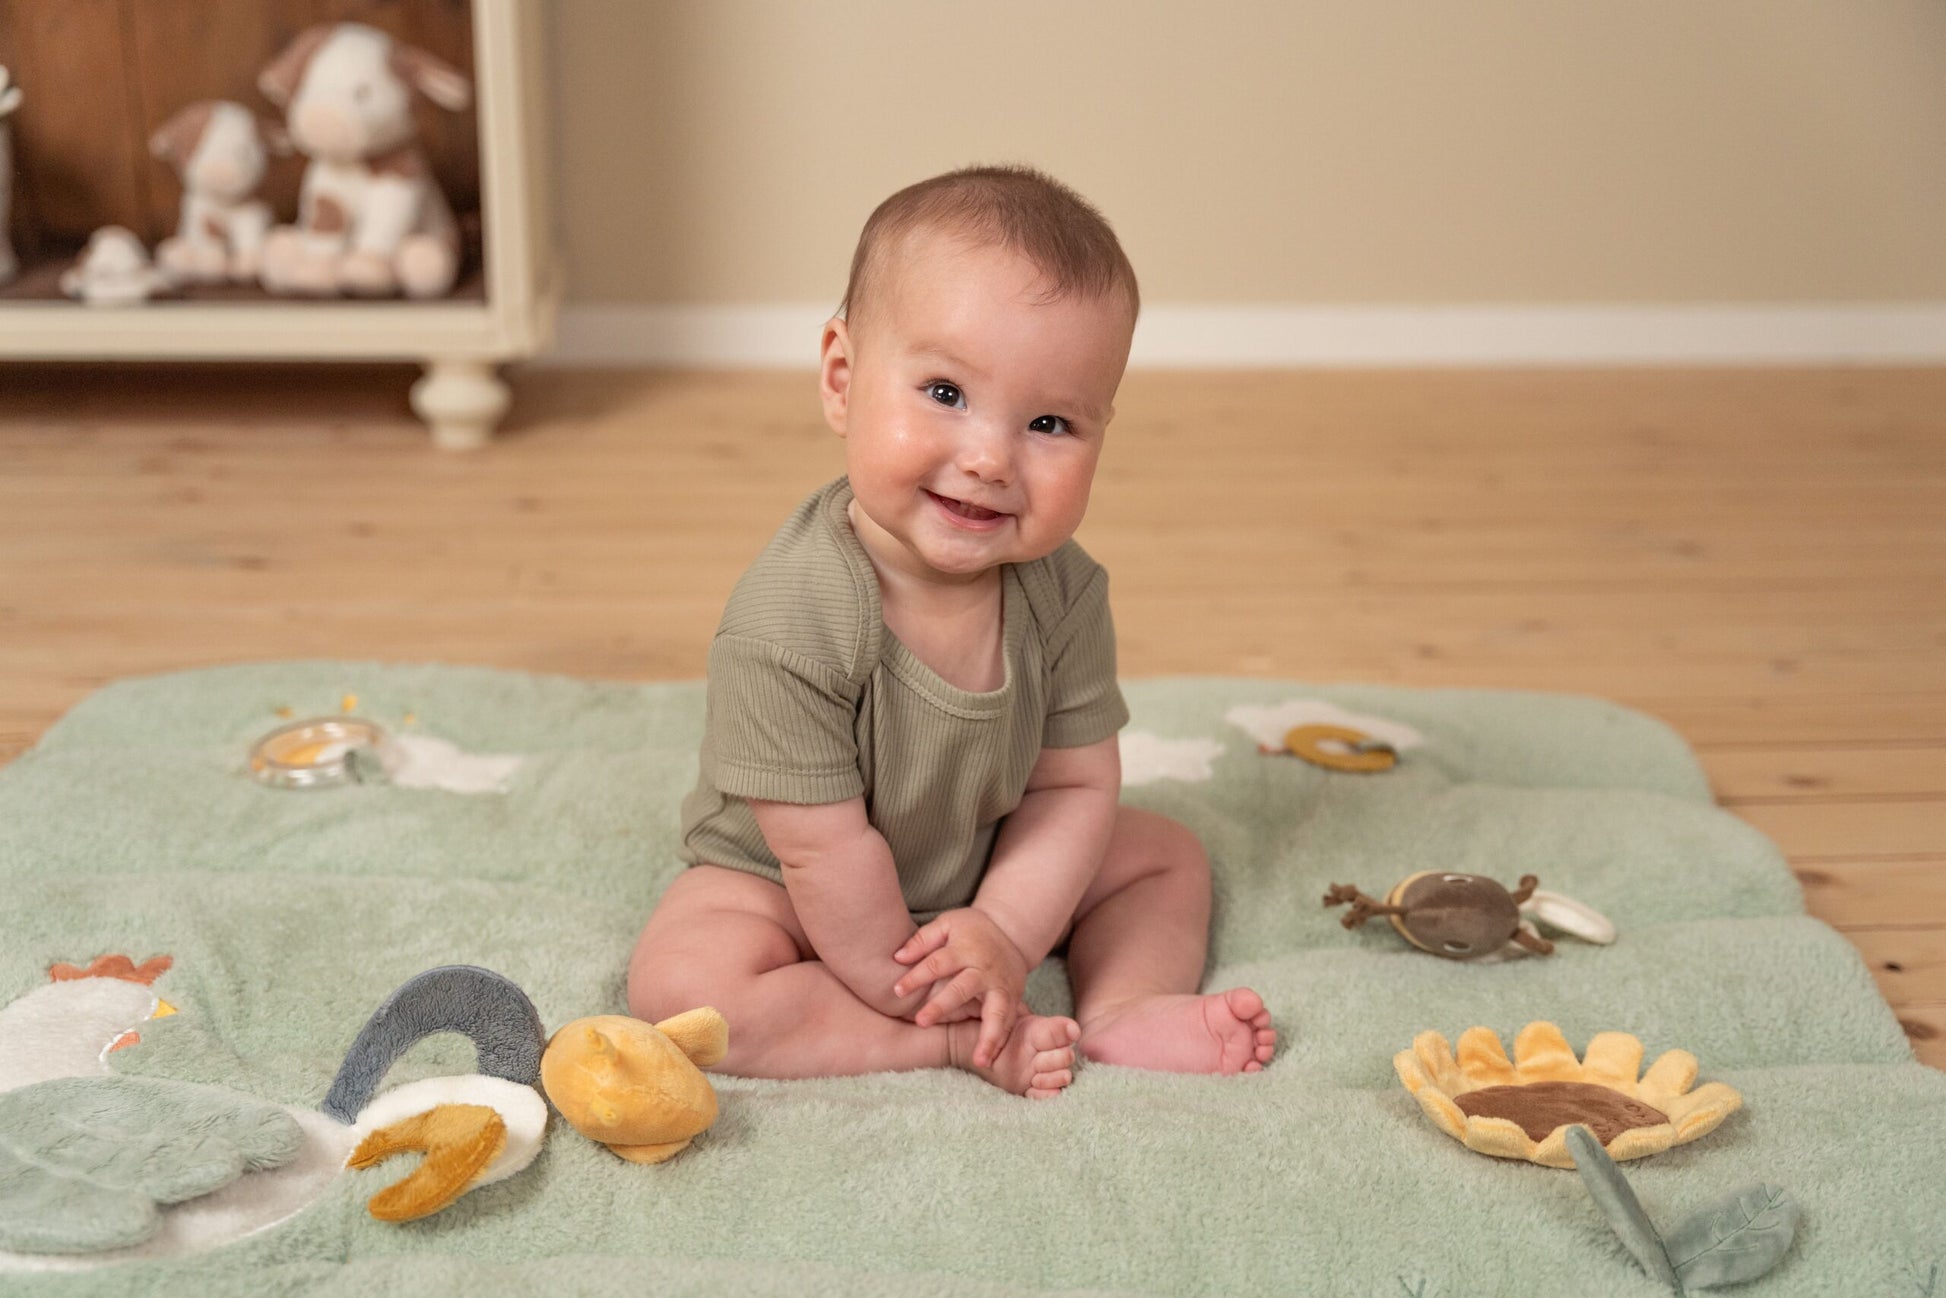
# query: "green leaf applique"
1739 1237
1612 1194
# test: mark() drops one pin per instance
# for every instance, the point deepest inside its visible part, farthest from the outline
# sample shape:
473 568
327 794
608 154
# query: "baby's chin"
957 568
965 561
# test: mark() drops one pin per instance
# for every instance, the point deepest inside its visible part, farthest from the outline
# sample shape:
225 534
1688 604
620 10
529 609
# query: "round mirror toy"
317 754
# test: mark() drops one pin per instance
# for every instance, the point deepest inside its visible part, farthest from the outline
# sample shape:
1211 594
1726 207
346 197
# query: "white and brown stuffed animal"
113 270
218 149
371 218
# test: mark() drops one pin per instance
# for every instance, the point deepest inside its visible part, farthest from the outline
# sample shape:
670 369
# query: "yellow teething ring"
1367 754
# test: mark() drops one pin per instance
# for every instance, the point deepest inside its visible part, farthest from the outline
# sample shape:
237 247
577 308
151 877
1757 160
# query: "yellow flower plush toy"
1525 1107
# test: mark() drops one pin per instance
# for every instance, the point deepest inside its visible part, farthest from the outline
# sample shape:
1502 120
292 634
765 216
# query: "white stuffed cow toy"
218 149
371 218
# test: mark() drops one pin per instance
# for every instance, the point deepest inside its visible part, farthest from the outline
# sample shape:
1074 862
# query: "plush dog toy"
1469 916
218 149
372 219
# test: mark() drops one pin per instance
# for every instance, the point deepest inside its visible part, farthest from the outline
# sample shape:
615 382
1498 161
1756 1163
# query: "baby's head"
972 369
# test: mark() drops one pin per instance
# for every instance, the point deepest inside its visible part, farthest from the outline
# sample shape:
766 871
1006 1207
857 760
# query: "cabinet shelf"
503 309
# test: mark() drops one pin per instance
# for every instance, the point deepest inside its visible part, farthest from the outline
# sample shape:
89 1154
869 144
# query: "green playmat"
134 828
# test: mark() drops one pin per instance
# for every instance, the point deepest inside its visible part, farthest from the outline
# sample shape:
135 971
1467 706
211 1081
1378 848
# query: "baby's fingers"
928 939
949 998
996 1025
928 971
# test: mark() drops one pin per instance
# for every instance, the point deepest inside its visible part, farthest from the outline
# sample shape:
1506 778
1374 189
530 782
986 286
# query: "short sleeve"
780 725
1084 702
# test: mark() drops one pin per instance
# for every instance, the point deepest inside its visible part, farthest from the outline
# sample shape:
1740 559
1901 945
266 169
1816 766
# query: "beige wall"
1378 151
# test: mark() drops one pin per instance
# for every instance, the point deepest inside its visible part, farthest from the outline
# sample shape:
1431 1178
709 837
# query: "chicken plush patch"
120 1167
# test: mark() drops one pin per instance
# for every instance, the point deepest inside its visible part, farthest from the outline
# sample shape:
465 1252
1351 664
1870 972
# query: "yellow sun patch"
1525 1107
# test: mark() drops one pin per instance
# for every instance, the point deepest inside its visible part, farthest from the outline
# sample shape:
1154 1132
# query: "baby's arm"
1050 847
842 883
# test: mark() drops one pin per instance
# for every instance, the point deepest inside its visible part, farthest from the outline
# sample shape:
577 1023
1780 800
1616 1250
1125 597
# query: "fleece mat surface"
134 828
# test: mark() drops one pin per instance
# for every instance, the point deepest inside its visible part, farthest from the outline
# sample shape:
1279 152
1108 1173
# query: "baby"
909 772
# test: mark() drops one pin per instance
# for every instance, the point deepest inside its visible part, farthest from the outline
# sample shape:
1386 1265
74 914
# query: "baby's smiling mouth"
965 510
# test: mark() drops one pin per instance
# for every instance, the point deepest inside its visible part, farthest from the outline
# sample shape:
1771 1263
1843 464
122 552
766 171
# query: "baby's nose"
987 452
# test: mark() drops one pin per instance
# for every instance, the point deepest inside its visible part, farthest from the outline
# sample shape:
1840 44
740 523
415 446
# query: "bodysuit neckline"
899 658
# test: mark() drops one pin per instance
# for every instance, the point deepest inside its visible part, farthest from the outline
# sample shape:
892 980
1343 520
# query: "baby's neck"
923 596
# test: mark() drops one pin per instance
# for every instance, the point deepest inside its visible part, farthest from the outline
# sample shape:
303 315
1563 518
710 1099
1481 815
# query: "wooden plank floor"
1759 557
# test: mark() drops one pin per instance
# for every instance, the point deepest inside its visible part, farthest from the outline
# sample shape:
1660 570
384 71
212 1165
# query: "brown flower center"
1540 1107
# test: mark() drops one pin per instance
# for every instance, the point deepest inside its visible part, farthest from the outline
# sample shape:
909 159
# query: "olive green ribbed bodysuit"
812 699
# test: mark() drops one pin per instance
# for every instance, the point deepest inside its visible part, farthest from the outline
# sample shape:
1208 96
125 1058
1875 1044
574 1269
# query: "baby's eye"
946 394
1045 423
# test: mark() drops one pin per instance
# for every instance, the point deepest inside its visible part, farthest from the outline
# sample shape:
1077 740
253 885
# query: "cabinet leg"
461 402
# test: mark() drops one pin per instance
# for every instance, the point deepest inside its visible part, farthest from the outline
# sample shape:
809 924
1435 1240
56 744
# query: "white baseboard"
785 335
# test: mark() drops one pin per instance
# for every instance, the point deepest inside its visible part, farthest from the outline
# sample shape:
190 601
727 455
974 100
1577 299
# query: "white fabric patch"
422 762
1269 724
1564 914
65 1029
520 1107
1147 757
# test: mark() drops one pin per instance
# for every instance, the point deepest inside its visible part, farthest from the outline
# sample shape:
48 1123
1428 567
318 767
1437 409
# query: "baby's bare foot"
1037 1061
1227 1032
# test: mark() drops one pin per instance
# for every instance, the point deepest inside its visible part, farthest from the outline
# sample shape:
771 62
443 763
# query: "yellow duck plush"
635 1087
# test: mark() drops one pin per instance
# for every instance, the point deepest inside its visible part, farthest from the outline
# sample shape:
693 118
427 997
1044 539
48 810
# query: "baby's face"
973 414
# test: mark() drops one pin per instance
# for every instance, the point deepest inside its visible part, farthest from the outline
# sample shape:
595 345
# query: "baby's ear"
835 373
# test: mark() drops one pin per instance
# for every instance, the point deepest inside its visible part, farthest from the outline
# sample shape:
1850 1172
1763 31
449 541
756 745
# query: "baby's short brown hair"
1014 207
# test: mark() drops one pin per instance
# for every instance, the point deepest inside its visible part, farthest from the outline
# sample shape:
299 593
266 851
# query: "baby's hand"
965 958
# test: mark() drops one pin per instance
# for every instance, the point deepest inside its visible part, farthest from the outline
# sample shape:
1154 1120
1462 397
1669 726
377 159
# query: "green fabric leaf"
1611 1192
43 1210
1739 1237
85 1160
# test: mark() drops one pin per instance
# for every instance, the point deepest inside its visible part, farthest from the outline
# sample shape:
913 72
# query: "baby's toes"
1052 1033
1059 1060
1246 1005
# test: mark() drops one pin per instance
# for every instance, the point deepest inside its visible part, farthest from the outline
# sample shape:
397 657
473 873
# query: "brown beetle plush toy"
1469 916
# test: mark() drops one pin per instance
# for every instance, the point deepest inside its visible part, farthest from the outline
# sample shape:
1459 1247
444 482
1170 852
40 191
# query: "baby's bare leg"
729 939
1136 957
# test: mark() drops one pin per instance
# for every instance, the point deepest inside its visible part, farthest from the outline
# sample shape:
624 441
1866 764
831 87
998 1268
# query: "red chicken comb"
114 966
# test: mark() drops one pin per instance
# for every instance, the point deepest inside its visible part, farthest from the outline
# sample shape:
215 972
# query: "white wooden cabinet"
459 340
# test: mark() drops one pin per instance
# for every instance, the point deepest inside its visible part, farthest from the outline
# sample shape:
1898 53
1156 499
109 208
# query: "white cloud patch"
1147 758
1268 724
423 762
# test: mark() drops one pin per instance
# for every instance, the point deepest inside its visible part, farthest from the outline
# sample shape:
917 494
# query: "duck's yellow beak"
163 1009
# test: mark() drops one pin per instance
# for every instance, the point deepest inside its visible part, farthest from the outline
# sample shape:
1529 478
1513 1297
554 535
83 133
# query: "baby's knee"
1172 845
713 957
